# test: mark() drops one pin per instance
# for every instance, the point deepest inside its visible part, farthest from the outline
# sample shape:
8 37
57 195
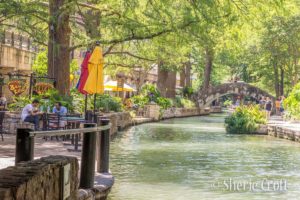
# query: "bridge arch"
239 88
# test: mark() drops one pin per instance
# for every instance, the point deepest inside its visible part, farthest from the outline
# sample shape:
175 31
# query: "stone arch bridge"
238 88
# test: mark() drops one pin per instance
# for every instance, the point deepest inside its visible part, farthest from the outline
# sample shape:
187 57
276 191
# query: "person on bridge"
277 105
281 105
262 102
268 107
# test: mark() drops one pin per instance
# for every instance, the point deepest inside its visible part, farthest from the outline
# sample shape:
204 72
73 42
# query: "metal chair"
53 123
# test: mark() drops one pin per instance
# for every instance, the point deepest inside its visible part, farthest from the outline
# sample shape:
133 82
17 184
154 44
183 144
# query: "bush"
180 102
140 100
292 102
74 103
164 103
144 98
187 91
227 103
245 120
108 103
19 102
150 89
46 100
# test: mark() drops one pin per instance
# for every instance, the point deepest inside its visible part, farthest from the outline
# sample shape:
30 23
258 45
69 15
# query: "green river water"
193 158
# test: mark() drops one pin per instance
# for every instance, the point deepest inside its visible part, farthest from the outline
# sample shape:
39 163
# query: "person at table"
59 109
30 113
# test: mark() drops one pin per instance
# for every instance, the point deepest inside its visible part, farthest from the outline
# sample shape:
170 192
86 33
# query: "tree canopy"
254 40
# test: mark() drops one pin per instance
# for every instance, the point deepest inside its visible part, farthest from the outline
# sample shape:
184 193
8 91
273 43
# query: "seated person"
59 109
30 113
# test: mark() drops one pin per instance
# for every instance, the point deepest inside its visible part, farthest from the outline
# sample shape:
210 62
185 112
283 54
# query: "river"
193 158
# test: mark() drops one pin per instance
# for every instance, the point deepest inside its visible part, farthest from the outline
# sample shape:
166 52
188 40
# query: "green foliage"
292 102
245 36
187 92
227 103
40 64
180 102
140 100
164 103
245 120
46 100
149 92
149 89
108 103
74 103
19 102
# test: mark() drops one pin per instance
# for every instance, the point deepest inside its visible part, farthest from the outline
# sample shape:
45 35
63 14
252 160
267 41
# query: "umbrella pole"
95 119
85 107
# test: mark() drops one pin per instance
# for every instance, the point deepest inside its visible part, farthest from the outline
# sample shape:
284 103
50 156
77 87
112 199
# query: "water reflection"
182 158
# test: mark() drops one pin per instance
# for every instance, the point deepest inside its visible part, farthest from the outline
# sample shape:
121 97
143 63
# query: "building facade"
16 58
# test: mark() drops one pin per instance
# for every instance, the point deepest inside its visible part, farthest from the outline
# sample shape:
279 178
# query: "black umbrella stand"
85 107
95 118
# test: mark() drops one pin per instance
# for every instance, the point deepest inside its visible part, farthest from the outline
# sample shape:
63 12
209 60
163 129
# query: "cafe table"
73 123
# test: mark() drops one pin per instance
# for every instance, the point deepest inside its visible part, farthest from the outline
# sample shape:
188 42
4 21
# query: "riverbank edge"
283 132
177 113
102 191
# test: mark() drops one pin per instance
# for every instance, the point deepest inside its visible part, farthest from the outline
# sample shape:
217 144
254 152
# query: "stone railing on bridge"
238 88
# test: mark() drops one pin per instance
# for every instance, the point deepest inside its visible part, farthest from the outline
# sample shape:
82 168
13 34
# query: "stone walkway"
279 122
42 148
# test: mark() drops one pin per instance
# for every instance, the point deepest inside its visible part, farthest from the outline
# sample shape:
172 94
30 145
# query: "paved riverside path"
42 148
279 122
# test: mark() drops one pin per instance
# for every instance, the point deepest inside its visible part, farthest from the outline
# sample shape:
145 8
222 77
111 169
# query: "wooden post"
24 145
103 148
87 171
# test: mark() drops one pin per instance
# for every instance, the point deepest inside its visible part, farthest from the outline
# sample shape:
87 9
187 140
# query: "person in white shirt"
30 113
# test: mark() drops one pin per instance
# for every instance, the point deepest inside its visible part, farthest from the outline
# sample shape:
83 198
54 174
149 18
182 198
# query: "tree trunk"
276 79
162 76
208 69
281 81
182 77
58 45
188 68
166 82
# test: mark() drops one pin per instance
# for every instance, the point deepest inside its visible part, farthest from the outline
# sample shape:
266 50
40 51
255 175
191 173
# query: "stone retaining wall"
284 133
39 179
184 112
12 121
122 120
216 109
118 121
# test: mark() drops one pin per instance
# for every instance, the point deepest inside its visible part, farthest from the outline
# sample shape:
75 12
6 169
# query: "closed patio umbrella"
94 83
91 78
84 73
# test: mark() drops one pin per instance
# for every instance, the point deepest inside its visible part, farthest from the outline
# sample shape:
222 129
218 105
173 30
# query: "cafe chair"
54 123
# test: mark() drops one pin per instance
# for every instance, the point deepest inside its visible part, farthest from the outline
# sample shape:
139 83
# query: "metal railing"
90 151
